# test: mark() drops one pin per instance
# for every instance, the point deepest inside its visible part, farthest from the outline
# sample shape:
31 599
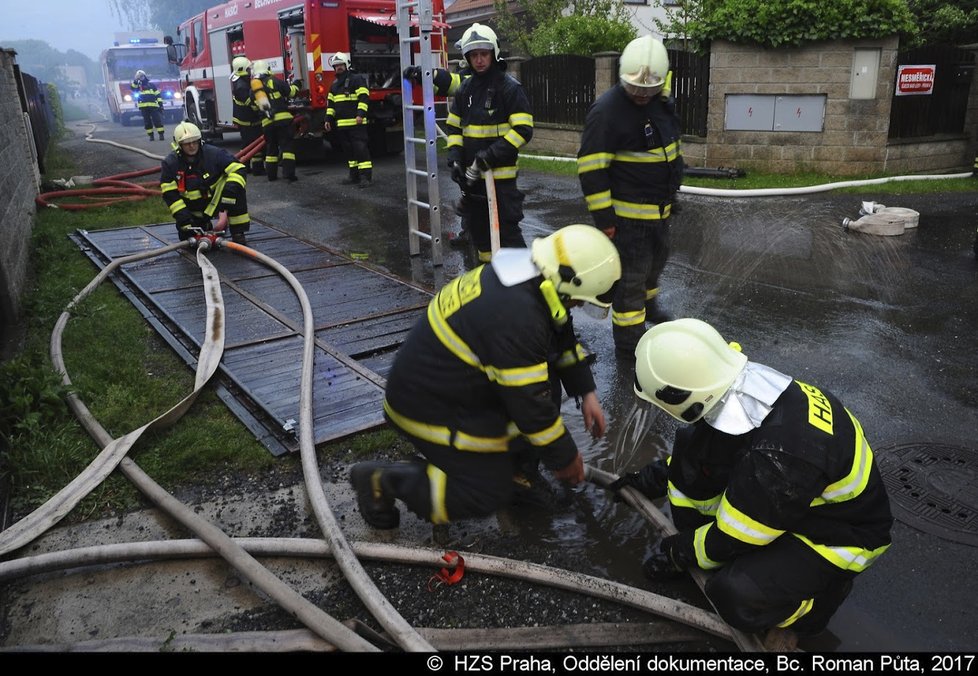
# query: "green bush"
584 35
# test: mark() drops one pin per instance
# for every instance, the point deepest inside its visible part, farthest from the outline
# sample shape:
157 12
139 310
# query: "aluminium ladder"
413 174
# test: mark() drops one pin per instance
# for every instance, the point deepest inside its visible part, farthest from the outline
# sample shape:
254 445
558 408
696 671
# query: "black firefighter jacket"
474 374
807 472
348 99
192 190
630 162
489 112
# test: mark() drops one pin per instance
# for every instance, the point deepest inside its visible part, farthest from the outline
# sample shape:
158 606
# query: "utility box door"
749 112
799 113
865 71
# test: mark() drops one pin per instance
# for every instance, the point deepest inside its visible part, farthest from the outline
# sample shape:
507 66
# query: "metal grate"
933 487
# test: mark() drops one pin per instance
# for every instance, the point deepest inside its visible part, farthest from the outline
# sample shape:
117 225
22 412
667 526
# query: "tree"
47 64
945 23
164 15
585 27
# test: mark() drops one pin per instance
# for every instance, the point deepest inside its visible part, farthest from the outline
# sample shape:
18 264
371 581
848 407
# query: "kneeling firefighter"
200 181
475 375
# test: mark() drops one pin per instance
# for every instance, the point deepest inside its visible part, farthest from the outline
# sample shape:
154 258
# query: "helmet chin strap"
748 401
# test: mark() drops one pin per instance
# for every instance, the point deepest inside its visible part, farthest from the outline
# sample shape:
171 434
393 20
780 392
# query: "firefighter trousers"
152 120
279 142
450 485
785 584
473 208
643 246
353 143
249 135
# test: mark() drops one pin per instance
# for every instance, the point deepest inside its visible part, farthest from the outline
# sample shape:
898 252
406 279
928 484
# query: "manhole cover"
933 487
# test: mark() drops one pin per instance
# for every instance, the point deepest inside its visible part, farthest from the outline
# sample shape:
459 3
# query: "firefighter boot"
367 175
354 178
376 505
161 135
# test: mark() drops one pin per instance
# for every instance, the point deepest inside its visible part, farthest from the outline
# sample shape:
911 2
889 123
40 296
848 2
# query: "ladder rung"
420 203
426 235
418 172
419 141
410 40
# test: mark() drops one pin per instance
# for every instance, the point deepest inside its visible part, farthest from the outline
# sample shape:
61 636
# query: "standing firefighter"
245 113
488 123
630 166
272 96
475 374
772 484
150 104
199 181
346 117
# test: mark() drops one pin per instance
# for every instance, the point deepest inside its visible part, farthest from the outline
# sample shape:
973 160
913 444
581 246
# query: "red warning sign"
915 80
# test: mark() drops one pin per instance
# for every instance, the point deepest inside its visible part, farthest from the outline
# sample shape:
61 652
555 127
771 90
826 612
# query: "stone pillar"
514 65
605 72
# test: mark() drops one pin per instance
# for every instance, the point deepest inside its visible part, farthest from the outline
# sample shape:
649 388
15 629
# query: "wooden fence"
943 110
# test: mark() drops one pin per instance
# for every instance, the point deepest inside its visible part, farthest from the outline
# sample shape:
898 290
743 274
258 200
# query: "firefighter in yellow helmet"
199 182
348 103
245 112
771 482
480 370
630 166
271 95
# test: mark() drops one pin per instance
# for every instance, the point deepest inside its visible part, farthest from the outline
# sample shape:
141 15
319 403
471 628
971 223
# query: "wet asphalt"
886 323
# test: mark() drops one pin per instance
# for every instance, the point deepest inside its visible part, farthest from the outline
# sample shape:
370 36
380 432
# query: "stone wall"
18 188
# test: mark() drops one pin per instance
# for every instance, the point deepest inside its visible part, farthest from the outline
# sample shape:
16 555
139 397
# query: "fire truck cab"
296 38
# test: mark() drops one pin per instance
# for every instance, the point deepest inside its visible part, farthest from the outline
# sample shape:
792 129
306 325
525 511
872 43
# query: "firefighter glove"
664 563
482 160
413 73
297 84
651 481
458 173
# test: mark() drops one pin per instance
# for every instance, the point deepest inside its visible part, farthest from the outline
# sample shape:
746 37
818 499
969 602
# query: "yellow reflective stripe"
628 318
525 119
177 206
169 185
283 116
485 256
330 112
453 120
547 436
442 436
239 220
454 140
514 139
345 97
803 610
504 172
699 547
436 434
271 159
854 483
599 200
571 357
593 162
706 507
645 212
288 156
362 91
847 558
362 107
518 377
485 130
437 481
237 178
651 293
193 195
366 165
468 442
347 122
451 340
741 527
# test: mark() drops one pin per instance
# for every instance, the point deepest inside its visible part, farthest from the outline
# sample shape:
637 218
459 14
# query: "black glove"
458 173
413 73
664 563
482 160
298 84
651 481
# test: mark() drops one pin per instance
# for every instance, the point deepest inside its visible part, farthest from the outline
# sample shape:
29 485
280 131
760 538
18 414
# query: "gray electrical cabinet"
775 112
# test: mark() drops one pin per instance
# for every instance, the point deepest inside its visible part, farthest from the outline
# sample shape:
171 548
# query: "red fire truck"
139 50
296 38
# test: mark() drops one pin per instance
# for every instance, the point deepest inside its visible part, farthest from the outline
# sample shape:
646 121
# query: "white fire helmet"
580 261
644 66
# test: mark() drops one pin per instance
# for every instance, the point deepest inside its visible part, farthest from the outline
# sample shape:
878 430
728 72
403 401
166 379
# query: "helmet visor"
641 91
672 398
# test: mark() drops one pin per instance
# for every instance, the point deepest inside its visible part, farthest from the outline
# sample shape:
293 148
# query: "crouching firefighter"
200 181
473 376
772 484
